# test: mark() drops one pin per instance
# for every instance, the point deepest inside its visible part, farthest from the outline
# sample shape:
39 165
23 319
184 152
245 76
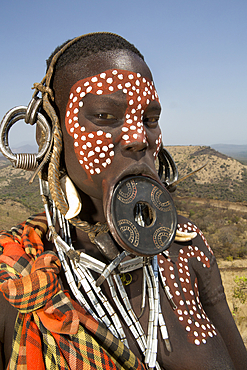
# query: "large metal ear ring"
167 171
30 114
72 197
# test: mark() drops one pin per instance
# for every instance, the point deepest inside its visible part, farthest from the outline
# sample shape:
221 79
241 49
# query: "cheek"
157 146
94 150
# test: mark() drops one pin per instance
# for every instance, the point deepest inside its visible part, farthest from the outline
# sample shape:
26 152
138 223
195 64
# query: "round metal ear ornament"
25 161
143 216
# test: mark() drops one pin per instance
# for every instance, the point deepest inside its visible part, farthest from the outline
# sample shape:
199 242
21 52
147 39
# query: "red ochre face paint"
95 149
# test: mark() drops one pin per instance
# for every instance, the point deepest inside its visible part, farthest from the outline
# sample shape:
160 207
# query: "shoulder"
186 225
200 258
196 254
195 245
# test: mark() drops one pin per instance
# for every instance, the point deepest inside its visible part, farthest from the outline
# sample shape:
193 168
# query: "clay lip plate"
138 239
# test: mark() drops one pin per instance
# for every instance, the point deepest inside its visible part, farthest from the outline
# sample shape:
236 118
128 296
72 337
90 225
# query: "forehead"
92 66
112 59
134 85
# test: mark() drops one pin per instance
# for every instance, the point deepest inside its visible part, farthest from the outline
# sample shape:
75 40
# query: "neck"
92 212
92 209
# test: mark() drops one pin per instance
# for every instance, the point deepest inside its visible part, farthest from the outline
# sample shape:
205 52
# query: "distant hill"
27 148
215 198
223 178
235 151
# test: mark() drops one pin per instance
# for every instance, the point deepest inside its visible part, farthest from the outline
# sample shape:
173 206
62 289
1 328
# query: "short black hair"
91 44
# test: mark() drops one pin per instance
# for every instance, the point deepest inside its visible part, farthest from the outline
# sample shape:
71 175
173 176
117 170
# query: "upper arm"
214 303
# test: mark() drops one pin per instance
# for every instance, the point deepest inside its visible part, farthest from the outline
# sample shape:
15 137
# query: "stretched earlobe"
72 197
167 171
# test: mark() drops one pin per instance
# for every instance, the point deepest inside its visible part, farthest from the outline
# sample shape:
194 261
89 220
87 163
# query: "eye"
106 116
151 122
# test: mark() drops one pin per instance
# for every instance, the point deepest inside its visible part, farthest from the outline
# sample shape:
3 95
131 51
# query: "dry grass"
11 214
229 270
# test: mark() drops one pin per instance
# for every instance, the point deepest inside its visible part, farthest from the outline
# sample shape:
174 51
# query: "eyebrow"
113 99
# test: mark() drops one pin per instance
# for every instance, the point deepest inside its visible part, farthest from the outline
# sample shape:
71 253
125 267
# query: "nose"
135 139
135 146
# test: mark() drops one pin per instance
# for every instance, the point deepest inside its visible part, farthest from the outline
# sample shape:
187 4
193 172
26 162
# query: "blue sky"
196 50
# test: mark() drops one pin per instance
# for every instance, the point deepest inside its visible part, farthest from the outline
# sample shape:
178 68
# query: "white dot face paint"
98 143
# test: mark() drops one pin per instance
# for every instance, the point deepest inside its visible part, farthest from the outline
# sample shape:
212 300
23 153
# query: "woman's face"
110 122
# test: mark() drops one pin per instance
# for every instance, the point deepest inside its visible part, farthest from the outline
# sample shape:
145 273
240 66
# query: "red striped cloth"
52 331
